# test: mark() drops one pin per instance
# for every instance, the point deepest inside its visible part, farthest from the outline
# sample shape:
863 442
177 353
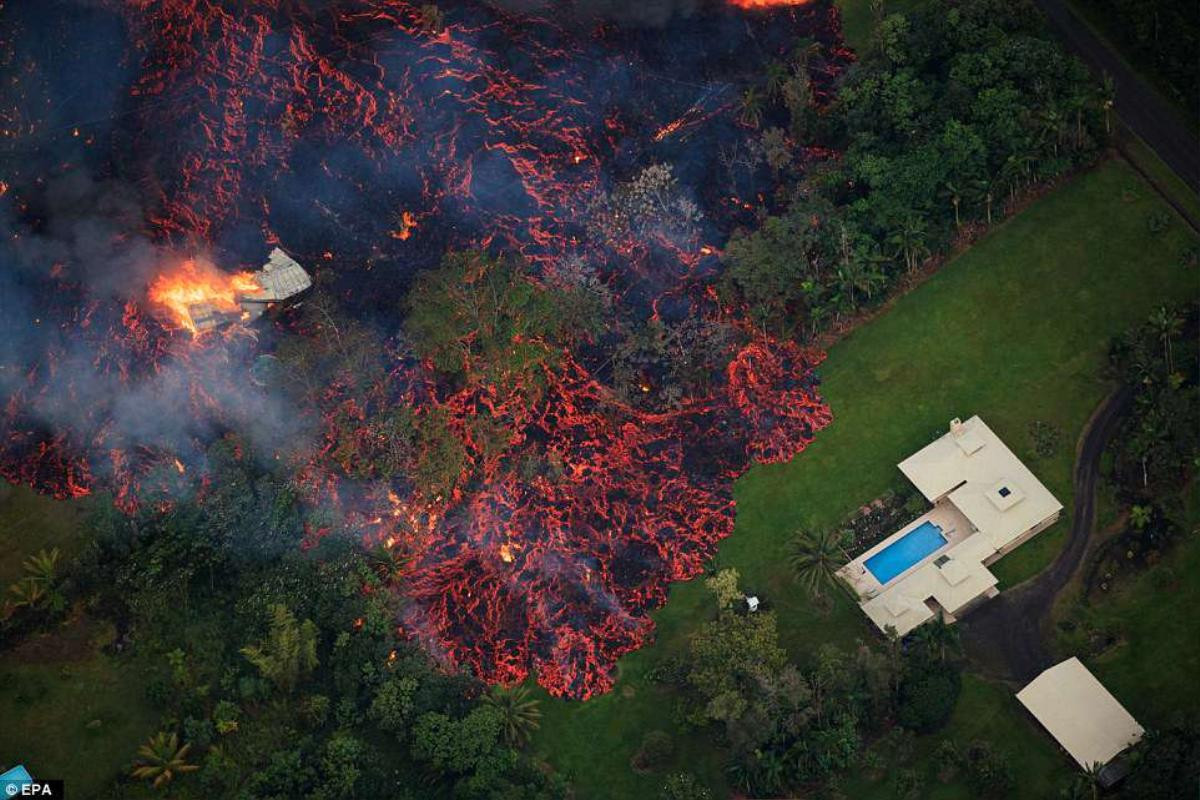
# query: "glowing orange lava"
407 223
197 286
767 3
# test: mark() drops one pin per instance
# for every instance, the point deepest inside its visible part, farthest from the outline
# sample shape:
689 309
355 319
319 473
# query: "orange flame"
407 223
195 284
755 4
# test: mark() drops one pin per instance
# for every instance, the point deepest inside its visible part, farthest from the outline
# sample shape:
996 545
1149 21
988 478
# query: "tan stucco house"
985 504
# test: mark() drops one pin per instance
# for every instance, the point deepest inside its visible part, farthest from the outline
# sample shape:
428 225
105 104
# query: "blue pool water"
905 551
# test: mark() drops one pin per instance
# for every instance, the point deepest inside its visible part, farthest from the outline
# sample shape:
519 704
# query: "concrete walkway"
1007 635
1146 114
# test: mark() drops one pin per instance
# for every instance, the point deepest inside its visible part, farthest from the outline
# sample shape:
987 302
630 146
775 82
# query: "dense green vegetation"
1056 283
1128 614
243 665
1158 37
952 112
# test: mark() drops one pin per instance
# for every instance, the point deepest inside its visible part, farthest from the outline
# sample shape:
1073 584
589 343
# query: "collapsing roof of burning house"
279 279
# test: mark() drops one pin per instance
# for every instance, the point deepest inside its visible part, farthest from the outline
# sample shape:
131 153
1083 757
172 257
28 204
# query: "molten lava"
311 123
196 286
760 4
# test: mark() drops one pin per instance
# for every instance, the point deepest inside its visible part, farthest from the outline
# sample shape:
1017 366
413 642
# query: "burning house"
202 300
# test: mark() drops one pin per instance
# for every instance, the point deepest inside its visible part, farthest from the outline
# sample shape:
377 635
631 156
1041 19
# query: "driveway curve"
1008 634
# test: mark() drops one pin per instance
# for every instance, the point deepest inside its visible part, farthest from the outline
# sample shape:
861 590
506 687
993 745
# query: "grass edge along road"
1015 329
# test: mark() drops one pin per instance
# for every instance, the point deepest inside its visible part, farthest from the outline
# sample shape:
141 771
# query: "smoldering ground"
73 266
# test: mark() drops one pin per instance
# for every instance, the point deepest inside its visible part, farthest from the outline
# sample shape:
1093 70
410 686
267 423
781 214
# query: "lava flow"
767 3
368 137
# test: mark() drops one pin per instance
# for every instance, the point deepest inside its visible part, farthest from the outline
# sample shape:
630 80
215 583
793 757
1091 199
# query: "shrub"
1158 221
655 751
684 786
988 772
927 699
1045 438
907 784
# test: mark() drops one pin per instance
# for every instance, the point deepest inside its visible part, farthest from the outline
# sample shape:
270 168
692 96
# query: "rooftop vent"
1005 494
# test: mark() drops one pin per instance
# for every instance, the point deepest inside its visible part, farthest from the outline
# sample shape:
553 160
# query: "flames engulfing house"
280 278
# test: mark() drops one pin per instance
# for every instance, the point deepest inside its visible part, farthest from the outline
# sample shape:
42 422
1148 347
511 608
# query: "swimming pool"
905 551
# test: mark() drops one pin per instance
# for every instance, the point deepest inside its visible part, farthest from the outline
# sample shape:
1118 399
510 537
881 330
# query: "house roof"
280 278
974 470
1080 713
953 583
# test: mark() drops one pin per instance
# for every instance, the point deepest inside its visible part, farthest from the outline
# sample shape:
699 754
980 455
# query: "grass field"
1149 162
69 710
1016 330
30 522
857 20
1154 665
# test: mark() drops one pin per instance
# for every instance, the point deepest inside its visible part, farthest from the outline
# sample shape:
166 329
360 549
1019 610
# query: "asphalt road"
1137 104
1007 634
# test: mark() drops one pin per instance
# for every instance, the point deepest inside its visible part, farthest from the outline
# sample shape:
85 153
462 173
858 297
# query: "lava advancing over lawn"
366 138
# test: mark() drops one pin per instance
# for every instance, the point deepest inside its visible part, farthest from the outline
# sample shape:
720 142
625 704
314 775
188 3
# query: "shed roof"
1080 713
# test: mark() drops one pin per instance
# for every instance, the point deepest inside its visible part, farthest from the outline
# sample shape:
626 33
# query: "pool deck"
955 528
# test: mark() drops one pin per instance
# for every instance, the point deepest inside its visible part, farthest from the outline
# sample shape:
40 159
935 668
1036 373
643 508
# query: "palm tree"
27 592
1078 102
1168 325
389 560
937 638
770 771
777 76
1051 127
752 107
519 713
161 758
1108 98
910 241
804 50
1087 783
740 775
1139 516
288 653
951 193
981 189
42 566
815 559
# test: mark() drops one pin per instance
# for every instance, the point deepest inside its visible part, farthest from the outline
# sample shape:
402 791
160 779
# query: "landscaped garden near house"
1017 330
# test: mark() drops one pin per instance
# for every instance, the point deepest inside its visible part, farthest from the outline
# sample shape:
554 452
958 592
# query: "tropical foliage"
162 758
953 109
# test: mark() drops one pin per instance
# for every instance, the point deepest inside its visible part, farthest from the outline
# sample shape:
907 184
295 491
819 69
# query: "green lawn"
78 714
857 20
1159 172
30 522
985 711
69 710
1016 330
1153 668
